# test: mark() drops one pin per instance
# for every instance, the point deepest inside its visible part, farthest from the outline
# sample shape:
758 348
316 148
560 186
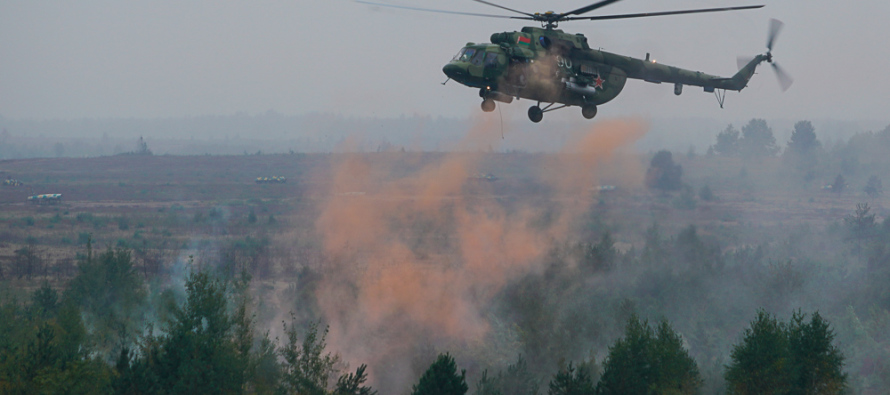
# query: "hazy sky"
173 58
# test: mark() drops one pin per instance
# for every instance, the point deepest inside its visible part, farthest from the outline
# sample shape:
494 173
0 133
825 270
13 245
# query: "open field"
134 201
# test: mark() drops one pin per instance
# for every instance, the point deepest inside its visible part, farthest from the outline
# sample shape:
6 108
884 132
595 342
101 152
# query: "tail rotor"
785 80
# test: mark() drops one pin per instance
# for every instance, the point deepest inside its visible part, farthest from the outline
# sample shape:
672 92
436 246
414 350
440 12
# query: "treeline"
797 357
106 334
111 332
87 340
862 157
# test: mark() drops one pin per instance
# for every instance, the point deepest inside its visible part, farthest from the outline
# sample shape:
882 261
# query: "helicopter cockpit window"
459 54
466 54
477 58
491 59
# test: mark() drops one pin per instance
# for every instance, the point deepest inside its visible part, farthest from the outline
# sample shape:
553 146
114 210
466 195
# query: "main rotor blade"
505 8
785 80
584 10
433 10
775 26
648 14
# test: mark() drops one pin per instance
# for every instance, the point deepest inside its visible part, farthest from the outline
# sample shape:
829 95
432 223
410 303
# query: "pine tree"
757 140
441 378
352 384
649 360
794 358
874 188
306 366
663 174
571 381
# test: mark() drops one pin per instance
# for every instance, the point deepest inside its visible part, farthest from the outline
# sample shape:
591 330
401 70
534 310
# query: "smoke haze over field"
417 260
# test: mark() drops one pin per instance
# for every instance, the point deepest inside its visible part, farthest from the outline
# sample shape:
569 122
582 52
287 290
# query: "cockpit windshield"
464 55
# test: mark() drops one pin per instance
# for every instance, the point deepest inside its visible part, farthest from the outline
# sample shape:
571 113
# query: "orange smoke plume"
418 259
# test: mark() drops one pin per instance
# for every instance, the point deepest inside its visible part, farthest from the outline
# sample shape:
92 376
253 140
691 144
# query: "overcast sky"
89 59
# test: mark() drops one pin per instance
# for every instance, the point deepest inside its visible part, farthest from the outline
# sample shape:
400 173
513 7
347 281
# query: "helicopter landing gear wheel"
535 114
488 105
588 111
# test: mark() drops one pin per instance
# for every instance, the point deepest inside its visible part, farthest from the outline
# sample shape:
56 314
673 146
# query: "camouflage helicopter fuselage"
549 66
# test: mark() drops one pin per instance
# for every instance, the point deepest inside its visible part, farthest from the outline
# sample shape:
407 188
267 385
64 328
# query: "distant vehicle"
605 188
271 180
12 182
483 177
50 198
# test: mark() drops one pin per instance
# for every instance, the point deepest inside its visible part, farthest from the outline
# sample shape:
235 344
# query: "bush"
83 238
663 174
84 217
123 223
686 199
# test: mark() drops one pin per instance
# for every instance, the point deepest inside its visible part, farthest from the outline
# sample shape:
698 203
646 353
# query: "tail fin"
740 80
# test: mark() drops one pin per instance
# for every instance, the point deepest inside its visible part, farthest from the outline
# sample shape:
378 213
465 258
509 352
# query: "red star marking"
598 82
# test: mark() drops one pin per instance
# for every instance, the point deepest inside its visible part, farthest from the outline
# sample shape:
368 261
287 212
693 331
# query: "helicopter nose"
454 71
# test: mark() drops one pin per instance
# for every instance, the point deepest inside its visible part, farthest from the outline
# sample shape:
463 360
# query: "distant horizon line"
273 113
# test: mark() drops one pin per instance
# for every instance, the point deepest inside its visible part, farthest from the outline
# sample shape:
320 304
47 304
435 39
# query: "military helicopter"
560 69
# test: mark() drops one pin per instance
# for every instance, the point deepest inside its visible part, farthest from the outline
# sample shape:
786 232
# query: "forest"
753 268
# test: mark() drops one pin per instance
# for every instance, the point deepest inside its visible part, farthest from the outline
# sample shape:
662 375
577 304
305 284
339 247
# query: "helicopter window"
467 54
491 59
477 59
459 54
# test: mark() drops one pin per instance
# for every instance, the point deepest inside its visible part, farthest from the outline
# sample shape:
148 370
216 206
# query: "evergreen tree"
663 174
110 293
874 188
306 367
803 139
794 358
803 147
352 384
43 349
648 361
839 184
196 355
571 381
817 363
861 226
441 378
517 380
757 140
727 142
760 364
